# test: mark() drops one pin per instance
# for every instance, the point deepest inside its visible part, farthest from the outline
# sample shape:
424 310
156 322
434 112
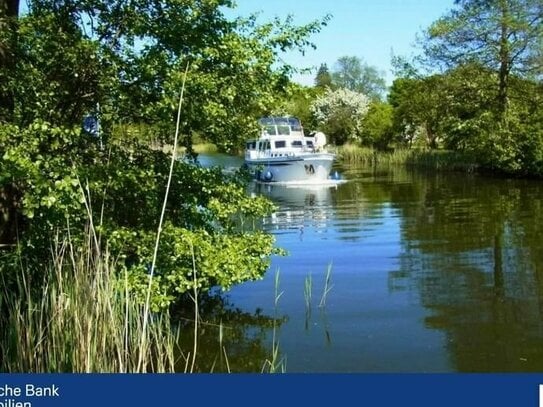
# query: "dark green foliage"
377 126
297 102
69 185
459 110
502 35
124 64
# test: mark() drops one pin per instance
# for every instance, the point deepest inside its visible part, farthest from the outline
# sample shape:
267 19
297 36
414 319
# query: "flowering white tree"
340 113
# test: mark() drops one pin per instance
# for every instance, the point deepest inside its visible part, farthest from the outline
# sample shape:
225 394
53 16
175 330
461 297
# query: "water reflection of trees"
471 249
228 340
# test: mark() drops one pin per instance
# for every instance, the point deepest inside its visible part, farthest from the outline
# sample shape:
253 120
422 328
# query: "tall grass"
442 160
327 286
308 291
85 321
173 160
275 363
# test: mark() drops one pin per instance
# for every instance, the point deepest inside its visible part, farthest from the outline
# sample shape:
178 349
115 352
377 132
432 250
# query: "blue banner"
330 390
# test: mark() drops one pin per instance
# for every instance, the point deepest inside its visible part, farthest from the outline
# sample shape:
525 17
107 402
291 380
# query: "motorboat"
284 154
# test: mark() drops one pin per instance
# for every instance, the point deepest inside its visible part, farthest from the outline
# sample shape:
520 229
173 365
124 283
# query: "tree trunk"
11 220
505 54
11 7
9 11
431 138
10 213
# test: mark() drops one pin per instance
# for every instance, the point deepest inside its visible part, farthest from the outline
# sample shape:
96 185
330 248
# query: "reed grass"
143 336
442 160
276 364
86 321
308 290
327 286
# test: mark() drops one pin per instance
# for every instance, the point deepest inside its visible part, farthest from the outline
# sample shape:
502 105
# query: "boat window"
295 124
294 121
280 144
250 145
296 143
282 121
309 143
266 121
270 130
283 130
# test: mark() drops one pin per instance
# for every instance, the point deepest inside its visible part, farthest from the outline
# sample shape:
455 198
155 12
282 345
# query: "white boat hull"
313 167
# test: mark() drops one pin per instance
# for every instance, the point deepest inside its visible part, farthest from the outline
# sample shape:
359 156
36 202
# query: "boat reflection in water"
299 205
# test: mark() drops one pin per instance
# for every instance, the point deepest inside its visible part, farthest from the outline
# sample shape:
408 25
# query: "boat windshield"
282 125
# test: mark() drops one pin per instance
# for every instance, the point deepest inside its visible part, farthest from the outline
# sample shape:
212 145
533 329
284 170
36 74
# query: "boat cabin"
279 137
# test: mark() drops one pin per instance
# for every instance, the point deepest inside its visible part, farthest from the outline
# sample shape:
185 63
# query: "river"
427 272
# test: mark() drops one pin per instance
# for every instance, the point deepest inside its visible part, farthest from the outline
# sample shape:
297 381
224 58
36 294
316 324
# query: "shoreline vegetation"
416 157
439 160
85 320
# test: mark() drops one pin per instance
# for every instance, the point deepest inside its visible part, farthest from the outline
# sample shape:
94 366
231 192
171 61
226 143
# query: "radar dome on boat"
320 139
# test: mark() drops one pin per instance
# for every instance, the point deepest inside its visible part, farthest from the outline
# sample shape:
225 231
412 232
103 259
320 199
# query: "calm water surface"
429 273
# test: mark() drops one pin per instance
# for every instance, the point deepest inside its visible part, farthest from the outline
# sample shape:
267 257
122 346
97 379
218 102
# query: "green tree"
9 10
465 94
323 78
125 63
418 108
502 35
297 102
136 54
351 73
377 126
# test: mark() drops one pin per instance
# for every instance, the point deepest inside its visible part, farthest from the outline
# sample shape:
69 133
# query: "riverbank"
439 160
84 320
442 160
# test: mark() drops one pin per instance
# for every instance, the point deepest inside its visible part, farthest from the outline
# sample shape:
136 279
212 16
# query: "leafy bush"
68 185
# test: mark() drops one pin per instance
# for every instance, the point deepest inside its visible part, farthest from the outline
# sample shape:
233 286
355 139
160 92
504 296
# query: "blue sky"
370 29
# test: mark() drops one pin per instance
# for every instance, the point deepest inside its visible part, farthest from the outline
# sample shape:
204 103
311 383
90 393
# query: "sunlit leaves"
124 63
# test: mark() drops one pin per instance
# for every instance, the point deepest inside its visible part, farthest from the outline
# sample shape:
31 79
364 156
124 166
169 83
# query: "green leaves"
192 259
124 63
351 73
68 184
377 125
503 36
